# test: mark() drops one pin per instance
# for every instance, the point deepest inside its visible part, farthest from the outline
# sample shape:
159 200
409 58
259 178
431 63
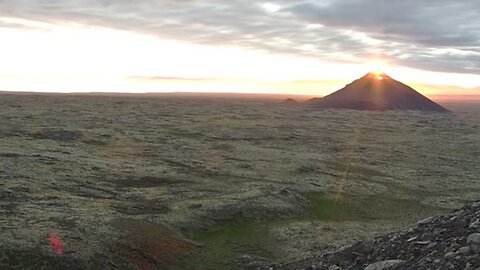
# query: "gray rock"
450 255
475 224
384 264
463 250
473 239
247 262
425 221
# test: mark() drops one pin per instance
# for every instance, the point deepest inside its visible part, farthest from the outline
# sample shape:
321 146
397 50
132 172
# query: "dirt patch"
147 245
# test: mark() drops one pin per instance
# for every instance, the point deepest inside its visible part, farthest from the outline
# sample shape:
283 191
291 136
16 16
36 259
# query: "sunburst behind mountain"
377 91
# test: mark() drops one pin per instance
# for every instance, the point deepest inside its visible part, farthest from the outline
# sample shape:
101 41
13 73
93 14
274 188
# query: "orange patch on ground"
148 245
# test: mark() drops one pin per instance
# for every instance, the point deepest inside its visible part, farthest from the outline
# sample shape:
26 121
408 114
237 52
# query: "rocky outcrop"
446 242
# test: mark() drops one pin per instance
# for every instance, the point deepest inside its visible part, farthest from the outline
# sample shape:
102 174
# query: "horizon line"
206 93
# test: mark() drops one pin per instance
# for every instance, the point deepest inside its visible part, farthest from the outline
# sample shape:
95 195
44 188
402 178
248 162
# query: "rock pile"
446 242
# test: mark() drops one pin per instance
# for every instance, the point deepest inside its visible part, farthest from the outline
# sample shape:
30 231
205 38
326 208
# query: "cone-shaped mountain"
377 92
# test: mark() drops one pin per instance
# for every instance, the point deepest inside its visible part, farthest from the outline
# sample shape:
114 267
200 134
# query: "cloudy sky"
294 46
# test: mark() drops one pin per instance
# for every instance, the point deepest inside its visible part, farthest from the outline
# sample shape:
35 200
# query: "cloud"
440 35
422 22
166 78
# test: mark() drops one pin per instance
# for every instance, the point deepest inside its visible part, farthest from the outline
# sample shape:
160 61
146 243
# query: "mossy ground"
75 163
233 239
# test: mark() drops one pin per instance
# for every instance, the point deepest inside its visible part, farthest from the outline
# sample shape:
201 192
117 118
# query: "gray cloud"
441 35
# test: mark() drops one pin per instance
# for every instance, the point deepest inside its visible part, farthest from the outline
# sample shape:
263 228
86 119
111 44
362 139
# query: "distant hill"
376 92
290 102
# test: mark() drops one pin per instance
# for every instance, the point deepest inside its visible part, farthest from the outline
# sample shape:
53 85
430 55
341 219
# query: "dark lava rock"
382 265
444 242
58 135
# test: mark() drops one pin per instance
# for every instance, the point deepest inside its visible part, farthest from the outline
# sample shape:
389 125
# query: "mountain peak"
376 76
378 92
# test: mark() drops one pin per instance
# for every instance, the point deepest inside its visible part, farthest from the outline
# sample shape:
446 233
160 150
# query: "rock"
412 239
246 262
422 243
463 250
473 239
334 267
450 255
475 224
348 253
342 254
384 264
424 221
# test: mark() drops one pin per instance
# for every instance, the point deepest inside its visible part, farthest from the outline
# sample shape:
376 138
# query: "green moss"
366 208
229 240
325 209
232 239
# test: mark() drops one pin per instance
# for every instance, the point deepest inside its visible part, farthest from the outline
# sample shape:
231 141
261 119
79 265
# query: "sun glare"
61 58
377 67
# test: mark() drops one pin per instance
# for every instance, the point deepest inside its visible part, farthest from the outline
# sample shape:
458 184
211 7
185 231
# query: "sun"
377 67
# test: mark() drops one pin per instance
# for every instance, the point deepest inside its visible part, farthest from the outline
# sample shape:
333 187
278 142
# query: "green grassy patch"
366 209
326 209
227 241
232 239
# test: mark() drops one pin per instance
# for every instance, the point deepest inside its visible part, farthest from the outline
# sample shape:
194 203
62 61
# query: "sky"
290 46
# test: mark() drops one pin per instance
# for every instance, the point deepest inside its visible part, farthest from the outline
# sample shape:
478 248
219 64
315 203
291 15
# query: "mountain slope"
377 92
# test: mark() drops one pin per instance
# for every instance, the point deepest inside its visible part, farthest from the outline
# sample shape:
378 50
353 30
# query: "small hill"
376 92
290 102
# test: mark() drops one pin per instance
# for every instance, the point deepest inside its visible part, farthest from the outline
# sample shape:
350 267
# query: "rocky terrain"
139 182
445 242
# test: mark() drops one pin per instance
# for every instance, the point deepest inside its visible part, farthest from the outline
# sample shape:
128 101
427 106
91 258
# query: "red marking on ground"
56 242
